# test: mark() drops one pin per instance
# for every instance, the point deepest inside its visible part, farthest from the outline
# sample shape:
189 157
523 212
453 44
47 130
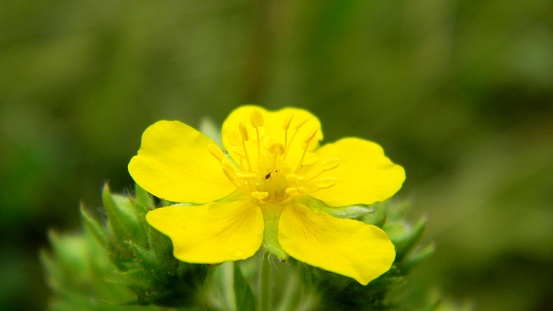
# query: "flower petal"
365 175
174 163
301 124
343 246
211 233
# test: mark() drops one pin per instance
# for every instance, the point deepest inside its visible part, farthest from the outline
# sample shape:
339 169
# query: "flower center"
269 168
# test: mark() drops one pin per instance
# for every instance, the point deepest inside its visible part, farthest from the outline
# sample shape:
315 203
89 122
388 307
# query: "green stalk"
265 283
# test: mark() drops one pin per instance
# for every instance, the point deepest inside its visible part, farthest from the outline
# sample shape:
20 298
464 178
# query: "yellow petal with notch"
288 126
344 246
364 176
211 233
174 163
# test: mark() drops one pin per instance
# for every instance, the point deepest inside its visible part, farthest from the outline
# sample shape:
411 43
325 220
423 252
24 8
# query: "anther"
256 118
276 148
294 178
234 138
272 145
295 191
310 135
330 164
215 151
287 121
239 151
326 182
258 195
310 159
229 170
244 175
243 131
301 123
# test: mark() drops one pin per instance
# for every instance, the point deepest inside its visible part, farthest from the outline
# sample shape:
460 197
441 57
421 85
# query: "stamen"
294 178
257 121
326 182
215 151
246 155
310 135
243 131
296 128
301 123
287 121
234 138
243 175
230 171
245 138
256 118
276 148
258 195
305 145
285 126
330 164
310 159
293 191
239 150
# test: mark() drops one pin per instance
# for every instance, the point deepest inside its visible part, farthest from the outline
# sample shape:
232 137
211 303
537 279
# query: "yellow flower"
268 188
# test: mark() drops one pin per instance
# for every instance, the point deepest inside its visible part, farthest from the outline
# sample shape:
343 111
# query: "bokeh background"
458 92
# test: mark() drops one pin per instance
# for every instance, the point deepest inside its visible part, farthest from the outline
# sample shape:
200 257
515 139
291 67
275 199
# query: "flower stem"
265 283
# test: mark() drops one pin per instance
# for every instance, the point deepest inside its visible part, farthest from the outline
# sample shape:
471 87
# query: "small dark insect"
268 175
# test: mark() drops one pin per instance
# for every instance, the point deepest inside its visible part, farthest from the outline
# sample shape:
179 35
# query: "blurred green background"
458 92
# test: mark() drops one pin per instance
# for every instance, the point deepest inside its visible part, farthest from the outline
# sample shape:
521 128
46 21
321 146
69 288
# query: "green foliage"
383 293
457 92
123 263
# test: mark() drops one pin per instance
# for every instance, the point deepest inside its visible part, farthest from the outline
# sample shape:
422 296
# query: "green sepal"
404 237
338 292
354 211
93 226
122 222
77 269
417 257
379 216
143 201
351 212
